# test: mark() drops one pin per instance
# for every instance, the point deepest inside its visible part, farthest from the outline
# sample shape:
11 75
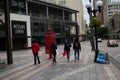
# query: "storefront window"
57 27
55 14
38 29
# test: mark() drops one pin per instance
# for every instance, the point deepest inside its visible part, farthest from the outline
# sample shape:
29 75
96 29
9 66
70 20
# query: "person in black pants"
53 50
67 46
35 50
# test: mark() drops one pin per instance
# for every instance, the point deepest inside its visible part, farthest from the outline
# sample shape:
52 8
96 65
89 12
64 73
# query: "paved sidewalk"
85 69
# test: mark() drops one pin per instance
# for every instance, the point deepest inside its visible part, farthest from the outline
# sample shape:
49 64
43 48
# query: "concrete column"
47 12
26 7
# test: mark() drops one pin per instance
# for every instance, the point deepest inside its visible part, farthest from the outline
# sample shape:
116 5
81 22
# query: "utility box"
102 57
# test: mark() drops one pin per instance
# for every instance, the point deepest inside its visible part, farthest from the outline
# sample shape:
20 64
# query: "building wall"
113 8
105 15
77 5
58 25
115 25
109 10
26 18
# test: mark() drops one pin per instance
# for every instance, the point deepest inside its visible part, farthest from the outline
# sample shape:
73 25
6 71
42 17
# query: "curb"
114 62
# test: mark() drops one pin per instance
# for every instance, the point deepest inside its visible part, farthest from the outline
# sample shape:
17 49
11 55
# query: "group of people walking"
67 47
76 48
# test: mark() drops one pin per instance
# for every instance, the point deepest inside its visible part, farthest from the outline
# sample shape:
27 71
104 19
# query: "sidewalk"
85 69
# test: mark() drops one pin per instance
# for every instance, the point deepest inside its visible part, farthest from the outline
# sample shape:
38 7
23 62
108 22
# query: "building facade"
77 5
30 19
114 29
109 10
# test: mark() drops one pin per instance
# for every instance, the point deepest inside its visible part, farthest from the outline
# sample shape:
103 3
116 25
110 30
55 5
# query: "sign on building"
19 29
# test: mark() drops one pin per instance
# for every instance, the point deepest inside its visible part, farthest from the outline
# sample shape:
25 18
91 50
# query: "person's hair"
76 40
68 40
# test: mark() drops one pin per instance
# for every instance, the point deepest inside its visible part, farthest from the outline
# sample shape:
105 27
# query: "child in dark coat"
53 50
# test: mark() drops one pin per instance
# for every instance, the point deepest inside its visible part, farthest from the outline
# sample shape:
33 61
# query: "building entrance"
20 43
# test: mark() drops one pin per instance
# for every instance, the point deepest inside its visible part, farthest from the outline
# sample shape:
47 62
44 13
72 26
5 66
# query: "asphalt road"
113 51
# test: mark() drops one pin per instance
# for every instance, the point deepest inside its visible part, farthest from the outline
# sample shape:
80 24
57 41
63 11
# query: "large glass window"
55 14
38 12
68 16
57 27
38 29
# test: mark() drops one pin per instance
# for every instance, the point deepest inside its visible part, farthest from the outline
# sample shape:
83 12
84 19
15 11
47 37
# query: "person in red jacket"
35 50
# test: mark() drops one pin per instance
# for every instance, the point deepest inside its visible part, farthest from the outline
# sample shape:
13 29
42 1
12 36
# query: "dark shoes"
35 63
54 62
77 59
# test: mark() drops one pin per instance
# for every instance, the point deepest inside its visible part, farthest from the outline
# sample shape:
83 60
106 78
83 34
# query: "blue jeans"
77 53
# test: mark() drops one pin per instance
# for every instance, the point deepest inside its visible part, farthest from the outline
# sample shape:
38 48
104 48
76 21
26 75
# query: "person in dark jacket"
53 50
76 48
67 46
35 50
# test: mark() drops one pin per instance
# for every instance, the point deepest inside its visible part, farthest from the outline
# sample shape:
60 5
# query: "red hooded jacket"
35 47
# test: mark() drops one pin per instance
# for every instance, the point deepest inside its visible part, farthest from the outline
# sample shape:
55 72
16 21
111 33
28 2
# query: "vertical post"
8 33
63 14
96 42
76 17
77 27
77 31
94 4
91 33
26 7
47 13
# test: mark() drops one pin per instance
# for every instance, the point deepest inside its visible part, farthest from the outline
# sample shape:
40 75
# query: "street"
112 51
85 69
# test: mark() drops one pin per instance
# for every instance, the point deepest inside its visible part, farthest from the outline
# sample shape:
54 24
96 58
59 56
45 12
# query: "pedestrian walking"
67 47
77 49
35 50
53 50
